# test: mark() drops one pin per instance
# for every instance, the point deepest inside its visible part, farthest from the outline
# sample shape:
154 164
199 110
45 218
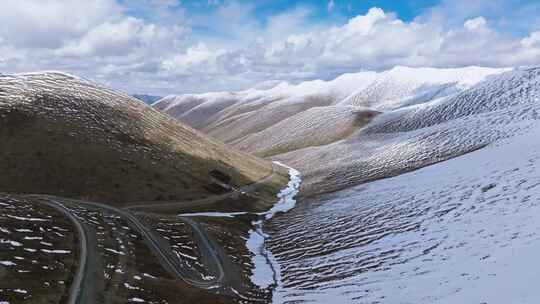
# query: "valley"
269 152
101 162
408 184
425 203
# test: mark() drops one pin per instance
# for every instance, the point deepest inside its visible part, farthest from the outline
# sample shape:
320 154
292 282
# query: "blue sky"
339 11
407 10
170 46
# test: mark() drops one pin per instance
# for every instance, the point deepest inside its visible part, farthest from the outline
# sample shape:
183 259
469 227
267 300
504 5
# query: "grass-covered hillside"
67 136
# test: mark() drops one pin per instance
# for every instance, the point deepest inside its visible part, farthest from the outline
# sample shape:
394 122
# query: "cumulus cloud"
380 40
118 38
169 50
476 24
192 60
35 25
532 41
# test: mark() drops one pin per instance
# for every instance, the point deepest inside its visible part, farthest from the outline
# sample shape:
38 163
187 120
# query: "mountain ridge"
396 101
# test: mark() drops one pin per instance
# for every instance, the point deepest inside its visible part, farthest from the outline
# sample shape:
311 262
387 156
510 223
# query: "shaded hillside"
69 137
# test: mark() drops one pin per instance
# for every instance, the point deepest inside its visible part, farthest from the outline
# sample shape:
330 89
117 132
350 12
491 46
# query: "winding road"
80 275
159 246
164 254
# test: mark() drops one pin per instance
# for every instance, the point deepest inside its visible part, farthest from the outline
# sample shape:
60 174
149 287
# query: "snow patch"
57 251
7 263
266 271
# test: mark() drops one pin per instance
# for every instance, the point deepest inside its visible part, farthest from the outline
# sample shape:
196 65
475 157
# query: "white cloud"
379 40
120 38
230 48
195 57
31 23
533 40
476 24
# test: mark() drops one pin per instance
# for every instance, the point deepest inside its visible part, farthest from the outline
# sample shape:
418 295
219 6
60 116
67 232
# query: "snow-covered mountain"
320 126
230 116
404 86
236 116
411 137
395 229
465 230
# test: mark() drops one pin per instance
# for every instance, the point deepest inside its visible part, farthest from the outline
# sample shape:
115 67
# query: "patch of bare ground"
39 252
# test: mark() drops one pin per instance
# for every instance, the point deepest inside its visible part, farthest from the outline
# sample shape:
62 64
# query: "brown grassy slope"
69 137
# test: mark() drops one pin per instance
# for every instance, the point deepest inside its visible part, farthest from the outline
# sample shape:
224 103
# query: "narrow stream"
266 272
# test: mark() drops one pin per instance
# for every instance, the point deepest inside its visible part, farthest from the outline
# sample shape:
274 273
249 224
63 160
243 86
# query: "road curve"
207 248
167 259
165 254
76 286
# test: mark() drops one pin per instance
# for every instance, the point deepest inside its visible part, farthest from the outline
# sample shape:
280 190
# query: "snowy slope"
243 118
403 86
314 127
408 138
462 231
251 111
396 230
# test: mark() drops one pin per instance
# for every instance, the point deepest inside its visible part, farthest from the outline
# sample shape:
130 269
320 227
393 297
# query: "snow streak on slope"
304 130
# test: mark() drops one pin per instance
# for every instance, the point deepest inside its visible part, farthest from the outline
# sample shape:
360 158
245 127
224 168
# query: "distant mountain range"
336 132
